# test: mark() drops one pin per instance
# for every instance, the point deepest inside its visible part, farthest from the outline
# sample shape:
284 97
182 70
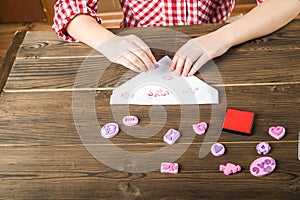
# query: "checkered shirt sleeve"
143 13
66 10
175 12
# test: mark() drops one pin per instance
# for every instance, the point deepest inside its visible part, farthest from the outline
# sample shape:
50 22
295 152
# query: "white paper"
161 87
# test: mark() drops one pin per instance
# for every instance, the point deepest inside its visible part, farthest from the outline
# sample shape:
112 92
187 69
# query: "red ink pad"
238 121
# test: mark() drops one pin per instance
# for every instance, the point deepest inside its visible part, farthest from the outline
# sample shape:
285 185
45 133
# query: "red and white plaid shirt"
146 12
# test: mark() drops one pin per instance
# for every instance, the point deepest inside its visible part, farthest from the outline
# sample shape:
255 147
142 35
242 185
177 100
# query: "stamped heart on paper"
277 132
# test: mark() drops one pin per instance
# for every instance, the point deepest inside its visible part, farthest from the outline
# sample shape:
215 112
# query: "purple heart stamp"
200 128
217 149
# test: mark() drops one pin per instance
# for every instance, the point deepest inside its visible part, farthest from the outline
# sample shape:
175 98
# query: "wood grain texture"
21 11
7 32
69 172
43 154
53 64
9 59
48 9
44 118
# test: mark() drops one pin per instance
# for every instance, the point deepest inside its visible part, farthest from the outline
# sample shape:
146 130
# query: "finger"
199 63
186 68
126 63
140 59
150 56
141 54
179 66
140 43
191 58
179 59
135 60
173 63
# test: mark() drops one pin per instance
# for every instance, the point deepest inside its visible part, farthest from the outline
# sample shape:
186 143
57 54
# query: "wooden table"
42 155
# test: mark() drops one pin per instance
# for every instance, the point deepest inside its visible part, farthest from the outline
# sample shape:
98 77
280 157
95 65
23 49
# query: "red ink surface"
238 121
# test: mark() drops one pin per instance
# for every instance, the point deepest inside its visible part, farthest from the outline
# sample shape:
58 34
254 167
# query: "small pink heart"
200 128
277 132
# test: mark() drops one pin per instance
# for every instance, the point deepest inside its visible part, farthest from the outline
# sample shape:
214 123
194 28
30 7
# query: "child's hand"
129 51
196 52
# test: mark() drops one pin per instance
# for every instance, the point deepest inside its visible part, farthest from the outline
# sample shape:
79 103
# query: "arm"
87 30
262 20
129 51
78 21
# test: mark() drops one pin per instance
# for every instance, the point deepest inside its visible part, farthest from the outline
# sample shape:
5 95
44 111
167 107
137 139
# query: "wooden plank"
7 33
242 8
5 41
9 59
44 118
36 52
35 73
59 172
53 55
48 8
109 6
47 44
111 19
19 11
11 28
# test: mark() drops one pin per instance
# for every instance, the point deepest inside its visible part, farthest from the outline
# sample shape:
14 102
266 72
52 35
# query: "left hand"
196 52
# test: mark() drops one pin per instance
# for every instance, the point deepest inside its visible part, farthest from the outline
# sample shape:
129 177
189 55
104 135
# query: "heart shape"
200 128
217 148
277 132
268 169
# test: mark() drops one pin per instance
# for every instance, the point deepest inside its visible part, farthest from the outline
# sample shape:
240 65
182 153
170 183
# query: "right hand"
129 51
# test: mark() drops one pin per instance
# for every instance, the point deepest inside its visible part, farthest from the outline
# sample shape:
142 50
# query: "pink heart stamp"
277 132
200 128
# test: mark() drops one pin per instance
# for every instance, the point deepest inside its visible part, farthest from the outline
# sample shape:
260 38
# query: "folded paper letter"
162 87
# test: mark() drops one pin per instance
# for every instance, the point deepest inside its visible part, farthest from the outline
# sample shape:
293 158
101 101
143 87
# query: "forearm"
86 29
262 20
